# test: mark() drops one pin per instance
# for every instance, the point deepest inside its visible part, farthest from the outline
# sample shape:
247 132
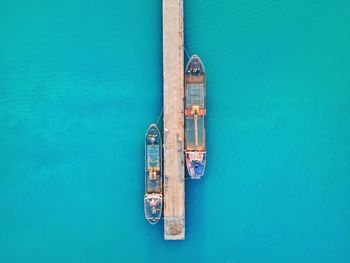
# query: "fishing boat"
195 112
153 200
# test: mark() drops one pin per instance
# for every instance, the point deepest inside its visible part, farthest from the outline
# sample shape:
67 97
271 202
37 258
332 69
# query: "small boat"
195 111
153 200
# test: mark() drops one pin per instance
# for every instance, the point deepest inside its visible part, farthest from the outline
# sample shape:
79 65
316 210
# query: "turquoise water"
80 82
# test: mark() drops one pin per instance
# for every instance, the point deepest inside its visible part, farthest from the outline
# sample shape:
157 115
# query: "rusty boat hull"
195 113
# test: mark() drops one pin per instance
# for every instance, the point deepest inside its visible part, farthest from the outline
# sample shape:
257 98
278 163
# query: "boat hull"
153 199
195 113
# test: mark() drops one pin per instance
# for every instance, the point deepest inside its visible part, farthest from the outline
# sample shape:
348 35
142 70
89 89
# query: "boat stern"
195 163
153 207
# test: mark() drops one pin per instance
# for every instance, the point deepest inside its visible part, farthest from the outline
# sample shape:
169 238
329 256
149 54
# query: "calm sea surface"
80 81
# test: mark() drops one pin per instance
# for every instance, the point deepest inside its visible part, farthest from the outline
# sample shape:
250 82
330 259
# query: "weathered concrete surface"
173 88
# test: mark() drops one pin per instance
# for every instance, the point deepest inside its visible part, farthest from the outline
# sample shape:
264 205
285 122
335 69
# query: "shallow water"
80 82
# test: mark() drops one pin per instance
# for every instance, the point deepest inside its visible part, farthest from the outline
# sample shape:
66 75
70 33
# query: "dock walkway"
173 89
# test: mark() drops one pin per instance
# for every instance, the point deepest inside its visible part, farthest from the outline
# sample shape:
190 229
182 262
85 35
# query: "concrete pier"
173 89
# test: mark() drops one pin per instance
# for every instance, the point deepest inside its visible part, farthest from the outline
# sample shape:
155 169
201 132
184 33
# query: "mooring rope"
160 115
186 53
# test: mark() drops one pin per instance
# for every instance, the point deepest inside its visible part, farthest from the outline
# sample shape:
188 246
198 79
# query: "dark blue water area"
80 82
